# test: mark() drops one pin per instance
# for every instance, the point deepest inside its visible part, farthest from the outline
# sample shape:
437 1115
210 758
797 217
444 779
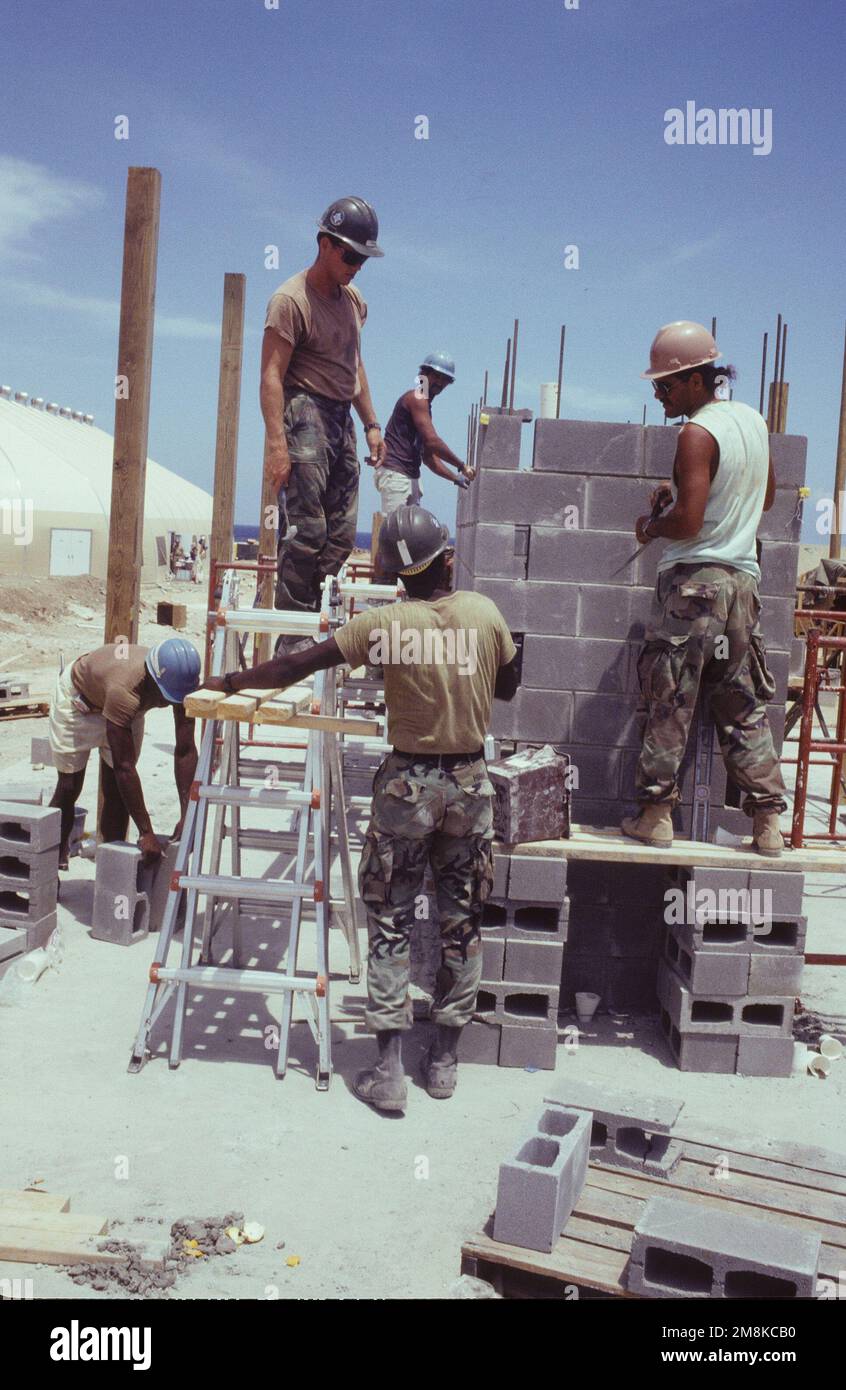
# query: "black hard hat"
410 539
353 221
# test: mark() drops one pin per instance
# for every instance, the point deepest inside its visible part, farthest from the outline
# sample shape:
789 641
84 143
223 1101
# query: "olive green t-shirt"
110 678
324 333
440 658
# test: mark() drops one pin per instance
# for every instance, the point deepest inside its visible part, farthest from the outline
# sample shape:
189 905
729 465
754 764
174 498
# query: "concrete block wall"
545 543
29 875
731 969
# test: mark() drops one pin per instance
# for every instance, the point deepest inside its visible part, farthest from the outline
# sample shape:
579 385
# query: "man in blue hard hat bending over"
100 702
411 439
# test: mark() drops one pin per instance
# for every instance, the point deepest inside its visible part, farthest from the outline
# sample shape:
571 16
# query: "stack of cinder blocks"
524 928
29 876
731 969
545 543
614 939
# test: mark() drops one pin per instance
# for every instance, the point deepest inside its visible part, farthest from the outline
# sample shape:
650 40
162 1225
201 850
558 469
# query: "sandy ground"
373 1206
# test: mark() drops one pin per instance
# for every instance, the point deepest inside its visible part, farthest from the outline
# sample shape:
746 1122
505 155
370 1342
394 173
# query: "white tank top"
736 499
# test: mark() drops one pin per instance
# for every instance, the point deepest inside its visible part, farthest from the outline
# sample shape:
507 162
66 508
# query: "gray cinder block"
493 958
779 568
529 1047
479 1042
765 1056
33 828
570 556
539 1187
659 451
762 1016
524 1005
583 973
613 611
777 624
614 504
528 606
627 1131
12 942
40 752
787 889
697 1051
575 663
500 552
608 720
533 962
590 928
531 499
502 868
587 446
630 985
121 912
526 921
531 796
155 882
499 441
708 972
775 974
537 878
22 903
23 793
783 522
595 767
774 938
539 715
789 454
28 871
684 1250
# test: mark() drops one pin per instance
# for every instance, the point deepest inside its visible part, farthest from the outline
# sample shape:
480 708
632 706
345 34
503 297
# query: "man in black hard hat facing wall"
445 656
311 373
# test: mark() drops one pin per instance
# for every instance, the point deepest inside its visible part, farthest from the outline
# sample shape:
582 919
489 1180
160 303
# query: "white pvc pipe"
32 966
548 399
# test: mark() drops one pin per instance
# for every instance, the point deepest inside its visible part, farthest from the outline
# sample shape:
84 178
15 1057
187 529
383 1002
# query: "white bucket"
830 1047
819 1066
586 1005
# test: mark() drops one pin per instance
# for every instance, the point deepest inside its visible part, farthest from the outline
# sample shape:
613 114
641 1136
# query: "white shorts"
73 735
395 489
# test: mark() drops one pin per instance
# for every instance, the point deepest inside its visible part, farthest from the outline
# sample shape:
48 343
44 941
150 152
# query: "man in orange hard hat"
704 625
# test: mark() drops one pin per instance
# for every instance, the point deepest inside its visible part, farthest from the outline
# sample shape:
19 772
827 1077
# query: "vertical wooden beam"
268 530
560 371
505 374
763 375
132 402
228 413
835 543
513 366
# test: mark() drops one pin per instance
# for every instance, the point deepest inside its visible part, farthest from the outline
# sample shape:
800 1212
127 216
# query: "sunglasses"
663 388
352 258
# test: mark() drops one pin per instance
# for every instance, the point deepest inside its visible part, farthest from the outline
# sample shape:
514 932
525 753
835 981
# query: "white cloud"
107 311
31 196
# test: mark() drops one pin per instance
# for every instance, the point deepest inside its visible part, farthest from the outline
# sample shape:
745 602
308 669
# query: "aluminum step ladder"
311 803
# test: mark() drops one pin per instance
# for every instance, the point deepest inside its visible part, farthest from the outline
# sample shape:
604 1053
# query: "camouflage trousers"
704 632
321 498
423 814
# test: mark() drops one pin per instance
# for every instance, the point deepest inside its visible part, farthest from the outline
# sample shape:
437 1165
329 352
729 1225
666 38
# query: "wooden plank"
228 412
799 1156
202 704
28 1220
54 1248
607 844
216 704
571 1261
31 1199
12 702
630 1194
707 1155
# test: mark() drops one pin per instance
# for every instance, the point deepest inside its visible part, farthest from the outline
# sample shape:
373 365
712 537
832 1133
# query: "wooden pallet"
24 706
39 1228
593 1253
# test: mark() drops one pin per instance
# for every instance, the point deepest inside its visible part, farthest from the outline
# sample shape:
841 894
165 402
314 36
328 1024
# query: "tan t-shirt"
110 679
324 333
441 659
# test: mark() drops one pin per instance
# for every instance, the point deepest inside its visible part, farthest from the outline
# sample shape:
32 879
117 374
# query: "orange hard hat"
678 346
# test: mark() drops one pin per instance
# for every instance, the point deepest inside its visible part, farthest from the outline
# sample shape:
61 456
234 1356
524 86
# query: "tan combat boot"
653 826
767 838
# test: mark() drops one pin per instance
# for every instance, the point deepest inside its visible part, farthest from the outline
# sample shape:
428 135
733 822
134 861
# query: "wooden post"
513 366
132 402
834 546
378 518
268 529
560 372
228 412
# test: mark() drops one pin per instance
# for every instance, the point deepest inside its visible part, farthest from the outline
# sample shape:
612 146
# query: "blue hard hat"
440 362
175 667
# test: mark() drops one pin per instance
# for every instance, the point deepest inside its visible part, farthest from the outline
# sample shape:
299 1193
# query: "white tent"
55 494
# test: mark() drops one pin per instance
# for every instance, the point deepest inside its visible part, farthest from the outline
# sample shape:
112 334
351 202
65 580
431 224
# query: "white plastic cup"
32 966
586 1005
830 1047
818 1065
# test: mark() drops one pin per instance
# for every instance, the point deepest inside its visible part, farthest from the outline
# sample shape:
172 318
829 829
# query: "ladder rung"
263 889
277 798
224 977
285 621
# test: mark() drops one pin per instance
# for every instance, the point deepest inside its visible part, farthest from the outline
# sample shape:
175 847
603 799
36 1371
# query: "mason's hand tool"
654 515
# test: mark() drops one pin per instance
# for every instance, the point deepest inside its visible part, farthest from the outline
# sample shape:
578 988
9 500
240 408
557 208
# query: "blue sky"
546 129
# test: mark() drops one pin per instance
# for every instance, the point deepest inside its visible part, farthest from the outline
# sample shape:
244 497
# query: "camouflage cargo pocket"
483 870
762 679
659 668
689 600
376 868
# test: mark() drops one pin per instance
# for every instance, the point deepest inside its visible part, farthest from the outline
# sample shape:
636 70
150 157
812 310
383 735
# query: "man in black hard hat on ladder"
311 372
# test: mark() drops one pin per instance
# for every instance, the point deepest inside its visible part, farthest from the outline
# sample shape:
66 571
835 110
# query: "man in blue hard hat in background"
311 373
411 439
100 702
